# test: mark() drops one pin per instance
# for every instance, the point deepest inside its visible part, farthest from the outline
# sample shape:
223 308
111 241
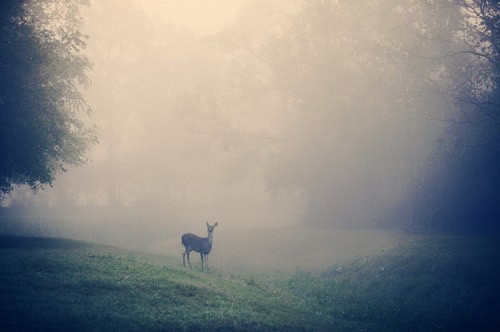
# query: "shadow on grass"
22 242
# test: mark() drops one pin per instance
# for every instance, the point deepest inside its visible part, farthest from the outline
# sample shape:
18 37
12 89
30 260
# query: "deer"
203 245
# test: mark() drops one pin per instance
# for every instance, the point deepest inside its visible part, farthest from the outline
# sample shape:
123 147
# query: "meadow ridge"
426 284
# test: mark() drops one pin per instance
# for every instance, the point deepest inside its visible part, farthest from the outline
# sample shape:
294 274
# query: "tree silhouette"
42 70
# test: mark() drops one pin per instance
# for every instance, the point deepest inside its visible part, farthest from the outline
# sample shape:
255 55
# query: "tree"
482 38
42 71
462 189
396 104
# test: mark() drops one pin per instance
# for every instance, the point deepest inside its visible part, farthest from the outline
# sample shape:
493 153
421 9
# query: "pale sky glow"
201 16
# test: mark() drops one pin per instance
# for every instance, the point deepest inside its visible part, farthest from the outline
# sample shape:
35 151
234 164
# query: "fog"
300 136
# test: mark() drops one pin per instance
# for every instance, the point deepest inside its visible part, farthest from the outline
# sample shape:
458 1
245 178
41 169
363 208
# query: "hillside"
434 283
437 283
61 285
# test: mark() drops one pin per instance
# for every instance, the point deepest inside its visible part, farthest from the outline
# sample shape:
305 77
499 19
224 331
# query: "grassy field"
429 283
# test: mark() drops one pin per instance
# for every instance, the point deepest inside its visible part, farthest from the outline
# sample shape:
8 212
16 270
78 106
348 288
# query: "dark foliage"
461 193
42 70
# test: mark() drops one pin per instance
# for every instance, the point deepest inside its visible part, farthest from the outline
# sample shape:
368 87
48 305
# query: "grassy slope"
62 285
430 284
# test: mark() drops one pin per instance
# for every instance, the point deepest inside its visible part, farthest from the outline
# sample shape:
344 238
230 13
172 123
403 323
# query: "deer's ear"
208 224
216 223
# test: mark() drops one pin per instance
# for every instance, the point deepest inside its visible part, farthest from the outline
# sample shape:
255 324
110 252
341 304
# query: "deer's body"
196 243
203 245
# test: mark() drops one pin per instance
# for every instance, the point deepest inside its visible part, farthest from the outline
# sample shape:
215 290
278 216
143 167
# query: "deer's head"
210 228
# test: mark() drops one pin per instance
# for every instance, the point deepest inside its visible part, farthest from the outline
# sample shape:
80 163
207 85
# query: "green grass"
431 283
51 284
438 283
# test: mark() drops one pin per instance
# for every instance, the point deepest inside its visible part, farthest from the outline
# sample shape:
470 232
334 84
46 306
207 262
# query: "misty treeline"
378 113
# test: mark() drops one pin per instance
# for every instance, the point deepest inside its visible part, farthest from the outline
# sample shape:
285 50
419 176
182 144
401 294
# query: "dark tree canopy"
42 71
461 193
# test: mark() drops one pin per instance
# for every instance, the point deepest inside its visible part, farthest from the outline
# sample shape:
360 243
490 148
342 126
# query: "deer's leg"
202 260
206 261
184 256
189 260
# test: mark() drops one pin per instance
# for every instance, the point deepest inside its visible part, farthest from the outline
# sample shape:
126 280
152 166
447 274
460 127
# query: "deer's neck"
210 238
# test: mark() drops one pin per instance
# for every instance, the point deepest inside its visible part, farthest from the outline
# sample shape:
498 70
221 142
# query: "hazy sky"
202 17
